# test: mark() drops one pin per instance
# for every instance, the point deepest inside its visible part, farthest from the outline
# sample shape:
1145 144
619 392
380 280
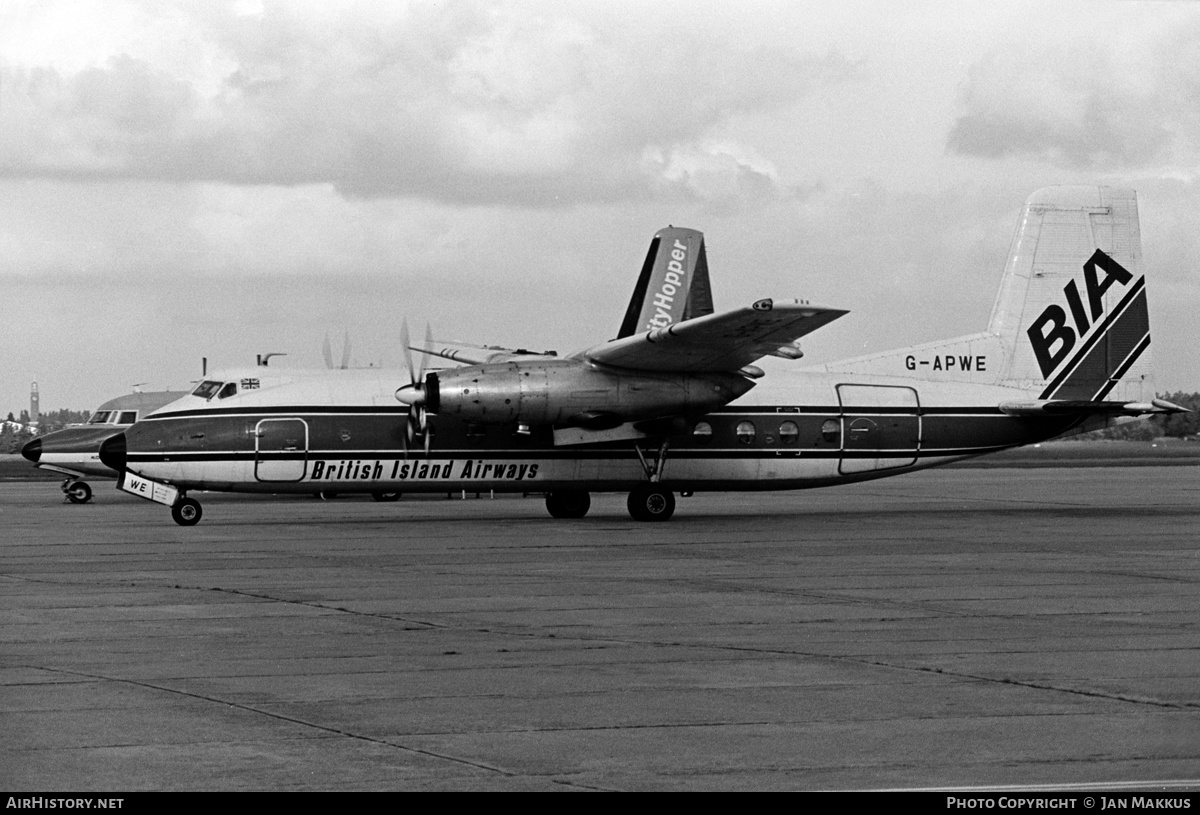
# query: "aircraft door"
881 427
281 450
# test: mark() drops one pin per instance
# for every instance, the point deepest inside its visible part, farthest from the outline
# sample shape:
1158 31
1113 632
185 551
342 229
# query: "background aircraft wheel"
187 512
568 503
78 492
386 496
651 504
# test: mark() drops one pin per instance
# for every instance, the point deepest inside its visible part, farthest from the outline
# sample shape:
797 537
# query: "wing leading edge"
724 342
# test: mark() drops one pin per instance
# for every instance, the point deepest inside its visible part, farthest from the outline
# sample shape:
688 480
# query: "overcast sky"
202 179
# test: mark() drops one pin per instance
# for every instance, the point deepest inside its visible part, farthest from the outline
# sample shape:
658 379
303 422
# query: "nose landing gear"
186 512
77 492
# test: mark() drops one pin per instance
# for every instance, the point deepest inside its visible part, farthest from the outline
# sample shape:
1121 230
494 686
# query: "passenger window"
127 417
789 432
476 433
746 432
702 432
229 390
831 429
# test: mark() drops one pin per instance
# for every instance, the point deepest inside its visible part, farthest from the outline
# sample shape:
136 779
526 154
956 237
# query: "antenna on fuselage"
264 359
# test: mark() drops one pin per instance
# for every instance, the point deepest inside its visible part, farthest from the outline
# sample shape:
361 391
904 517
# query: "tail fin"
1072 308
1070 322
673 285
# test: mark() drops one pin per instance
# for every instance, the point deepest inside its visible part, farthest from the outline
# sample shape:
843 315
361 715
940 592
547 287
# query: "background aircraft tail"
673 285
1070 322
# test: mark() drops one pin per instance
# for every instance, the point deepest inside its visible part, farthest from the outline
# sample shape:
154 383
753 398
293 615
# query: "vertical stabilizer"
673 285
1072 309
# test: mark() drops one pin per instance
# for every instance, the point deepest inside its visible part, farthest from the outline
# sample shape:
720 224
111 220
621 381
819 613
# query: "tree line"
1160 425
12 439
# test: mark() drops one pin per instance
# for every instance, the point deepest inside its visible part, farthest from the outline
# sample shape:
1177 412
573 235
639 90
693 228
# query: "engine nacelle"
573 393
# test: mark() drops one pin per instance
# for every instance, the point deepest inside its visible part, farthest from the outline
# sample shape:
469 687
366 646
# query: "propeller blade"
424 358
406 348
327 352
346 351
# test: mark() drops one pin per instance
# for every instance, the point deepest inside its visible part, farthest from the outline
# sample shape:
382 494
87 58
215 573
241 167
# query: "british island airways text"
664 299
378 470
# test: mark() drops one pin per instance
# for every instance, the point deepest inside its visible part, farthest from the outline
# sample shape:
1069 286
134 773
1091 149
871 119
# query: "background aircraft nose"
32 450
112 452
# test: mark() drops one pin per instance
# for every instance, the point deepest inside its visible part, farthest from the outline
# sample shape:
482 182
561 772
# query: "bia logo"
1051 337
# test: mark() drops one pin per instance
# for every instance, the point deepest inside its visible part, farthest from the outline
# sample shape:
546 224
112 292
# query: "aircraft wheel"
78 492
651 503
568 503
187 512
386 496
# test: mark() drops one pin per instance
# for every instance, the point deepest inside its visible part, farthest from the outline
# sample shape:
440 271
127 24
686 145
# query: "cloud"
1094 102
471 103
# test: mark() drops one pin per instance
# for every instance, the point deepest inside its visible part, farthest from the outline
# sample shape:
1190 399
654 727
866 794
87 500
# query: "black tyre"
651 504
568 503
386 496
79 492
187 512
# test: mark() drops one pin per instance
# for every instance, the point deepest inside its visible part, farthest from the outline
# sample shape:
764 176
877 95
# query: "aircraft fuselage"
810 429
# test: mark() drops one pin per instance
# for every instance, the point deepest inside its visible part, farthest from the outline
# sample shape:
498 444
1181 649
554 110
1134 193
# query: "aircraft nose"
112 452
33 450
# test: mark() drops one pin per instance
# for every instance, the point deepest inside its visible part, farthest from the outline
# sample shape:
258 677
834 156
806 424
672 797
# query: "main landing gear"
647 502
77 492
651 502
568 503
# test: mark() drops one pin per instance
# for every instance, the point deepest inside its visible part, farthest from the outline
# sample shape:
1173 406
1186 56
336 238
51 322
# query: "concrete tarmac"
953 628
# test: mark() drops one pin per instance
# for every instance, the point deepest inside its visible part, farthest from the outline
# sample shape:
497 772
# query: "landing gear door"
281 450
881 427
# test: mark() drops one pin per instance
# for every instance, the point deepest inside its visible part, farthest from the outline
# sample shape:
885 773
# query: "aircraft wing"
479 354
717 342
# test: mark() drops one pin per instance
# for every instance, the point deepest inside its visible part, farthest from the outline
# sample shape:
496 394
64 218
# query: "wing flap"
722 342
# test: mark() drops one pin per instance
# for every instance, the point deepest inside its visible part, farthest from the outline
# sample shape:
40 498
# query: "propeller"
413 394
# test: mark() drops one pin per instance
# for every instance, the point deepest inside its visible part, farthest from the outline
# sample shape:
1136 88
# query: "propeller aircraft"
75 451
676 403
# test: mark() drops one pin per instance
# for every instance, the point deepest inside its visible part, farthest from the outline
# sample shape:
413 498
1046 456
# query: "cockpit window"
229 390
206 389
100 417
127 417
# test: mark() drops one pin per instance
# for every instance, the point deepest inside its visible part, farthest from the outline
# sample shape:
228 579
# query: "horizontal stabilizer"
1067 407
716 343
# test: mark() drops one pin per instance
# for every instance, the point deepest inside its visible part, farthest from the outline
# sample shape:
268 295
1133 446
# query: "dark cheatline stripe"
277 410
1125 366
1112 345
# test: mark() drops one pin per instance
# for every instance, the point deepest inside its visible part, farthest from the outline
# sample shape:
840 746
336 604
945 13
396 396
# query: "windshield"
206 389
100 417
